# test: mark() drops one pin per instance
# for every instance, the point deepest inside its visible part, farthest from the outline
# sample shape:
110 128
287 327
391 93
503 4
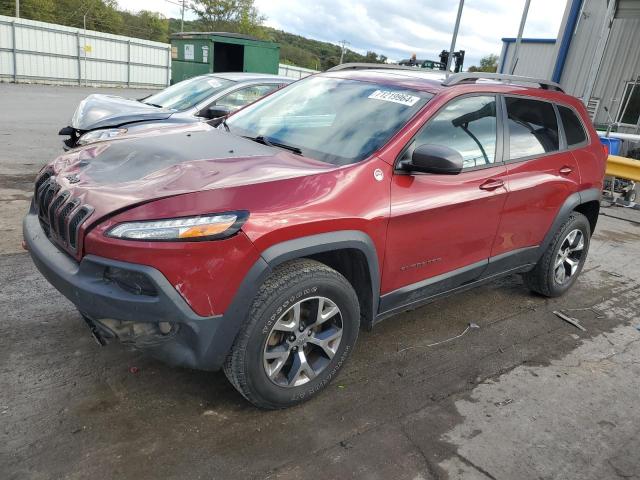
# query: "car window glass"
189 93
340 121
533 127
573 129
244 96
467 125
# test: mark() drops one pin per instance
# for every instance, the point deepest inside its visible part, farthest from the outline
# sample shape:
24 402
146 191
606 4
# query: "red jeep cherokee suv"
261 246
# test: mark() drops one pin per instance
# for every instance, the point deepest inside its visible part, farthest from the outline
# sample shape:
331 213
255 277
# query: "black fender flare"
235 315
570 204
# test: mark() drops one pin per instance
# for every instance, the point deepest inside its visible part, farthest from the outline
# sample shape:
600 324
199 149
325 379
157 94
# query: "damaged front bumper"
133 303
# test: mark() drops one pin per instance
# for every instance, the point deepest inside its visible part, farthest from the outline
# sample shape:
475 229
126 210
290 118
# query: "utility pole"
84 24
454 38
343 43
17 8
182 18
523 20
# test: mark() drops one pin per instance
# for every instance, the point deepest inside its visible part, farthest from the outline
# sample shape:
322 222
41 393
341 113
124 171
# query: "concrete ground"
524 396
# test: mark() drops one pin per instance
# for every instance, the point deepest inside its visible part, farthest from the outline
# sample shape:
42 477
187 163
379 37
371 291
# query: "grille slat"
40 181
55 205
74 225
42 203
62 218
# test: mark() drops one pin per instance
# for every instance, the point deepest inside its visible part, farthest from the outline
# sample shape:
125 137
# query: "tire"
631 195
546 276
272 365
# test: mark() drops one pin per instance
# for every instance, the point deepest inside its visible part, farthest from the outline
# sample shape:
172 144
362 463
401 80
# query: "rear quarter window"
574 130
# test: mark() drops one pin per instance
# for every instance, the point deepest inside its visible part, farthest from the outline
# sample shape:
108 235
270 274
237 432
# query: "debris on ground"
570 320
466 330
504 402
134 370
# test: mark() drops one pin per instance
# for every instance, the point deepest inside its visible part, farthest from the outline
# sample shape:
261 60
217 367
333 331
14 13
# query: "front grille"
60 215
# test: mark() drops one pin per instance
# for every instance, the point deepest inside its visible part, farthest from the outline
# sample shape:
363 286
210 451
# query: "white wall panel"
46 52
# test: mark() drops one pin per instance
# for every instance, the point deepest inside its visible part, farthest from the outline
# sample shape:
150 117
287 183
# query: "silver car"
205 97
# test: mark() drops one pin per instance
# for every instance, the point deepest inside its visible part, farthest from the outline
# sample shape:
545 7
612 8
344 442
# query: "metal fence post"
79 60
169 65
15 53
128 63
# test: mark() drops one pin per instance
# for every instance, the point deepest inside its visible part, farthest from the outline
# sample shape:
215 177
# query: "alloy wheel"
302 342
569 256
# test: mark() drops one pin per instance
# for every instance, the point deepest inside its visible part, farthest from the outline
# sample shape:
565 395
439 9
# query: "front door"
442 227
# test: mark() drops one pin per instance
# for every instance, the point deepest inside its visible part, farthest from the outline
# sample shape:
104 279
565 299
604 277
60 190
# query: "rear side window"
533 128
573 128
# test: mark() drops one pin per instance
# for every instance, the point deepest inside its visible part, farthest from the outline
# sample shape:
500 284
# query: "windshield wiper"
153 104
265 141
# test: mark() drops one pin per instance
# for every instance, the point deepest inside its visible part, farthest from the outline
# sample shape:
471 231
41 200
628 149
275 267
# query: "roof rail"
456 78
370 66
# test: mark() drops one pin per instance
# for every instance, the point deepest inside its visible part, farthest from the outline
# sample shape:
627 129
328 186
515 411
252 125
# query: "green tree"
488 63
151 25
237 15
41 10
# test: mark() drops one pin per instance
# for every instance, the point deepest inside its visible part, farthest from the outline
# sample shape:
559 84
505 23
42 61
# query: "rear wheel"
302 326
631 195
563 260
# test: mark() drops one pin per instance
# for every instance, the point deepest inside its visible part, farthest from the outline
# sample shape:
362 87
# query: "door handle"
491 184
566 170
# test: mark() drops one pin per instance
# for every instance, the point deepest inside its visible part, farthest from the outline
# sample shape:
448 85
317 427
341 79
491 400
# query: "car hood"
112 175
104 111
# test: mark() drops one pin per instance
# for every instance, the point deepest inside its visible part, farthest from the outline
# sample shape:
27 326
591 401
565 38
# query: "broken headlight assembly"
197 228
103 134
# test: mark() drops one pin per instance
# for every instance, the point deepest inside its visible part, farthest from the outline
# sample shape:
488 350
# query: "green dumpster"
196 53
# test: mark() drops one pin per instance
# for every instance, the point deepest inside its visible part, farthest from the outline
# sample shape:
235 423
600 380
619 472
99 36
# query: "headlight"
103 134
202 227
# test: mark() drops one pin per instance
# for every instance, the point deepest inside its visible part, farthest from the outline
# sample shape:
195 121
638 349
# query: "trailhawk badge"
378 175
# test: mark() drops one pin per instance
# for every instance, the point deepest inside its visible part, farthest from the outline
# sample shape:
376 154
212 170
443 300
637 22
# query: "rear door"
541 173
442 227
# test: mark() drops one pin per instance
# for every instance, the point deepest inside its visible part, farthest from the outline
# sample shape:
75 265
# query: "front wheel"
302 326
562 261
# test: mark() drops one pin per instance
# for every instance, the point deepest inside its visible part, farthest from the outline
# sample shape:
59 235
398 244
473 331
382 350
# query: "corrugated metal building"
596 58
533 57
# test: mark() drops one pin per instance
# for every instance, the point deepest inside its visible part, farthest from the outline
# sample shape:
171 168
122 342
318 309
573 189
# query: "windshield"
329 119
188 93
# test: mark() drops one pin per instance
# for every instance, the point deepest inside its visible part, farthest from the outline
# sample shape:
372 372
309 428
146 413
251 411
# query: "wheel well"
352 264
590 210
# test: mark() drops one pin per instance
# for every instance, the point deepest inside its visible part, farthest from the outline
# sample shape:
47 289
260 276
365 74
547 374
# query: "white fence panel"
48 53
292 71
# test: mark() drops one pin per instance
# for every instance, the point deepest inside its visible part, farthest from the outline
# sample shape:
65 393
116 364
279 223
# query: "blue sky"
399 28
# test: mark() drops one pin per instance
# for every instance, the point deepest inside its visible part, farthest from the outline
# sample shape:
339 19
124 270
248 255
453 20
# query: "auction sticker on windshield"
395 97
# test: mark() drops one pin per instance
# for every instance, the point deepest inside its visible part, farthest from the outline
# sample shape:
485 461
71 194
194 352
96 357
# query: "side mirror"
216 111
436 159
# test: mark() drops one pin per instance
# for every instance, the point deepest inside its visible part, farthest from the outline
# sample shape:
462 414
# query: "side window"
467 125
243 96
533 127
573 128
